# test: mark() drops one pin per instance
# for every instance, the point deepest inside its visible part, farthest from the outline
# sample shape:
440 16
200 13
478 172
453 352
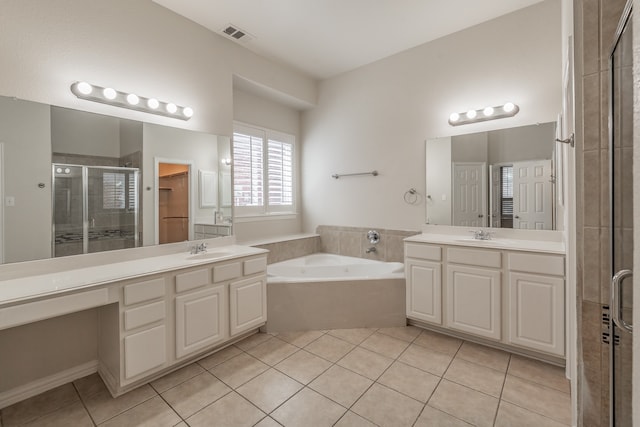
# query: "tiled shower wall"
595 24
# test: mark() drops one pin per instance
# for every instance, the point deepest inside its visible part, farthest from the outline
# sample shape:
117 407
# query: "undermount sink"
210 255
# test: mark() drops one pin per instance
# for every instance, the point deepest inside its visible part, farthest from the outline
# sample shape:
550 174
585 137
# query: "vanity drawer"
192 279
417 250
535 263
227 271
256 265
144 291
479 257
140 316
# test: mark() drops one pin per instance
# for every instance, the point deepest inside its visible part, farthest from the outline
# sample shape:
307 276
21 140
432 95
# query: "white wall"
135 46
524 143
179 146
438 170
25 131
378 116
79 132
470 148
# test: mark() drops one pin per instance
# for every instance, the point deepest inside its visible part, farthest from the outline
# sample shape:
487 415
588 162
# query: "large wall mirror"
77 182
503 178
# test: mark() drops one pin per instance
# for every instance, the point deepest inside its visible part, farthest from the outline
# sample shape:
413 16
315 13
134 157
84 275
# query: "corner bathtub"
327 291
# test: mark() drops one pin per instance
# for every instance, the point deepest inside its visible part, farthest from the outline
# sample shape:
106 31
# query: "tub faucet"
371 249
202 247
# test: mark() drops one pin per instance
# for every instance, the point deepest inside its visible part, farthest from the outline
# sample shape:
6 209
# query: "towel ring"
411 196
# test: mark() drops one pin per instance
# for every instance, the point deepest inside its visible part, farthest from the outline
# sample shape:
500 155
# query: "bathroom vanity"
506 292
155 314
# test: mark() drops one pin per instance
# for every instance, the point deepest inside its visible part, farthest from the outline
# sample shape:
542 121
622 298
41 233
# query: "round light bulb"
454 117
187 111
509 107
153 103
471 114
109 93
67 170
58 170
172 108
84 88
133 99
488 111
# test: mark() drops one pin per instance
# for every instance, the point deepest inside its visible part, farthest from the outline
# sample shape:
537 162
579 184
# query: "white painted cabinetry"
536 302
514 298
474 292
423 271
172 318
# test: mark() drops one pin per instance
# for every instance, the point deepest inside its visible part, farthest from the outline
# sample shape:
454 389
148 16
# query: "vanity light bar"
489 113
110 96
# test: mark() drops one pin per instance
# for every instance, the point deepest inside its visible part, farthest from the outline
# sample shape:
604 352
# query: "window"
263 171
507 190
115 193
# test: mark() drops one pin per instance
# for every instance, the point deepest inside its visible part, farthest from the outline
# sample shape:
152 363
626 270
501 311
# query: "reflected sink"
482 242
209 255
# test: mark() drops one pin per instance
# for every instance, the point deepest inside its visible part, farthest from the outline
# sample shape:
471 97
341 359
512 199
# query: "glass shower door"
68 210
621 171
112 208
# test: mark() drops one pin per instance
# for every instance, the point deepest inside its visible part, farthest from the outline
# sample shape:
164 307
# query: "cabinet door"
473 300
424 291
200 320
248 304
536 312
144 351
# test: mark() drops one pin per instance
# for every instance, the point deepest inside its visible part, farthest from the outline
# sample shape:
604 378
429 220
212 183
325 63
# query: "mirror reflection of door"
469 195
532 196
173 202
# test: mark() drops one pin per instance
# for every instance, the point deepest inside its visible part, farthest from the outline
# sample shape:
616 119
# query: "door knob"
480 216
516 217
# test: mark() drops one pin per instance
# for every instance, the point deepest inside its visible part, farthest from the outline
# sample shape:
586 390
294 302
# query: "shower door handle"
616 290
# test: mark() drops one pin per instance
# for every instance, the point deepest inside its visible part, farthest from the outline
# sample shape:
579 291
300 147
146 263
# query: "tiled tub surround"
325 291
507 292
288 247
218 297
352 241
358 377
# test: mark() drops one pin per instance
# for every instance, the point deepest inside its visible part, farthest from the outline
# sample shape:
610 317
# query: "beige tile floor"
354 377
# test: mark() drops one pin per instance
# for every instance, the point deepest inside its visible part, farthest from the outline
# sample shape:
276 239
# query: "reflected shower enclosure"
95 209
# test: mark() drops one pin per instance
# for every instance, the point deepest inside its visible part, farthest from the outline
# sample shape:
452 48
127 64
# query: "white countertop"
30 287
502 243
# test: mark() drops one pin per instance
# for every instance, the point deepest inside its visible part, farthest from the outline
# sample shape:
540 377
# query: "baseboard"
41 385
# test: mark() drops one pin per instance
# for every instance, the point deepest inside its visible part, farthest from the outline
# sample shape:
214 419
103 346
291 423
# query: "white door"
469 194
473 300
532 196
200 320
424 291
536 312
248 304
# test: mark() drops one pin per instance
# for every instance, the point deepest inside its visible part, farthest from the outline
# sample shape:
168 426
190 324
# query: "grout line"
83 404
504 381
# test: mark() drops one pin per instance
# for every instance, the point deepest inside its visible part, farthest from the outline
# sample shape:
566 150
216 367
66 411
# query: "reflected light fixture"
110 96
226 161
488 113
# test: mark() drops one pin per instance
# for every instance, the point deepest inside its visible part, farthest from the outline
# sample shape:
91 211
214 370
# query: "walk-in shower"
95 209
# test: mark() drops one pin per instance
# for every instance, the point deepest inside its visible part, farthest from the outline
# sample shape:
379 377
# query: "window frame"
266 209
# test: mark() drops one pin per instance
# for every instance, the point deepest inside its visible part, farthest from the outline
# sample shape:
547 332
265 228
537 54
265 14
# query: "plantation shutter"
248 188
280 173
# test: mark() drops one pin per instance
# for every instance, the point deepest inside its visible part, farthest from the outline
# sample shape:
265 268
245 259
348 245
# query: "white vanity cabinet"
513 298
536 302
474 291
423 269
200 310
170 319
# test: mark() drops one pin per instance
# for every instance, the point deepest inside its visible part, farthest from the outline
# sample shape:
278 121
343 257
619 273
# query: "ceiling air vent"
235 33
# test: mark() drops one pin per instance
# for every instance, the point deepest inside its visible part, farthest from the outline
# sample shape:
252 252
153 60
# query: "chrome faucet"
481 234
202 247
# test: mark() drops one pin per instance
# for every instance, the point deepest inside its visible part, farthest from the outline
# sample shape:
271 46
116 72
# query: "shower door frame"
625 19
85 204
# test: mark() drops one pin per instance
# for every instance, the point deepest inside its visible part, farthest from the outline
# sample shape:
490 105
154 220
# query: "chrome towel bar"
336 175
